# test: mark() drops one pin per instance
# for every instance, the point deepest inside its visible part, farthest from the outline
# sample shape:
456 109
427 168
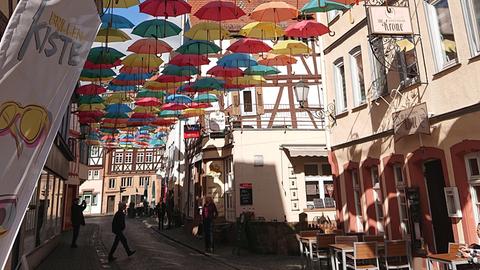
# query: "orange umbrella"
149 46
274 12
277 60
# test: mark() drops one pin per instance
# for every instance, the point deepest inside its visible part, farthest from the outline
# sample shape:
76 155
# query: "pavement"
168 249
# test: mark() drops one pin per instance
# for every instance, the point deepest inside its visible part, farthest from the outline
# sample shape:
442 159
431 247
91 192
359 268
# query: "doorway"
110 204
441 222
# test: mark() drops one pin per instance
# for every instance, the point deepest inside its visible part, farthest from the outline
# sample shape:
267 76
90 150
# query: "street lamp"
301 91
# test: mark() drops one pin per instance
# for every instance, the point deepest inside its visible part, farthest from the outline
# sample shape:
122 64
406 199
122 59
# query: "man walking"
77 219
161 209
118 225
209 213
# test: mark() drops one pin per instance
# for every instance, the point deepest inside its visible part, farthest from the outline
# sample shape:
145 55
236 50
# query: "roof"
247 6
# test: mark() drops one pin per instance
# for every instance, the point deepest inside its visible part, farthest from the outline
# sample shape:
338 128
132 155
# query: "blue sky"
133 14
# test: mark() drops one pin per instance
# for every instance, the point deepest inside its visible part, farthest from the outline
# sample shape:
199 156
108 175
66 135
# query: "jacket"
209 211
77 217
118 223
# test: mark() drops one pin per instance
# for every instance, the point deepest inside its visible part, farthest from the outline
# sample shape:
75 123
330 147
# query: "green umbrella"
97 73
323 6
169 113
205 98
116 115
261 70
154 94
198 47
156 28
208 83
180 70
104 55
90 99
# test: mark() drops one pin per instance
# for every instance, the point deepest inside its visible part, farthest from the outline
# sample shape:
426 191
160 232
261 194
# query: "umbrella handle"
331 33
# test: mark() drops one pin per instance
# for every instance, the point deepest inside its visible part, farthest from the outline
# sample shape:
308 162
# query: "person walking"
118 225
170 208
209 213
77 219
161 209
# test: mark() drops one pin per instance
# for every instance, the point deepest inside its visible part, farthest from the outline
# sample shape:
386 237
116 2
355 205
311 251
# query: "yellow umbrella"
290 47
120 3
248 80
158 86
142 60
193 112
91 107
146 109
118 98
106 35
277 60
100 80
114 125
207 31
261 30
405 45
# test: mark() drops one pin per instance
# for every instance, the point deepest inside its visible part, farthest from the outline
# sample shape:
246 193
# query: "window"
472 162
111 183
140 157
126 181
471 9
340 87
312 190
377 197
94 199
357 198
128 157
94 151
311 169
93 174
144 181
358 82
402 201
118 158
247 101
148 157
326 169
441 33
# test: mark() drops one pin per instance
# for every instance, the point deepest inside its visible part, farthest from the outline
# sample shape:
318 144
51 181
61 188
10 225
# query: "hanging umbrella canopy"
120 97
172 78
143 115
219 11
205 98
136 70
133 77
148 102
118 108
237 60
221 71
120 3
146 109
164 121
158 86
247 81
146 93
90 99
178 99
189 60
149 46
261 70
290 47
116 115
195 105
323 6
192 112
115 21
91 114
278 60
120 88
98 80
157 28
208 83
156 142
90 89
131 82
261 30
249 45
170 113
306 29
142 60
90 65
207 31
91 107
179 70
104 55
274 12
198 47
165 8
111 35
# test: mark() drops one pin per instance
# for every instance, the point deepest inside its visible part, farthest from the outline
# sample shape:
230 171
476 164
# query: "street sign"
389 20
191 131
246 194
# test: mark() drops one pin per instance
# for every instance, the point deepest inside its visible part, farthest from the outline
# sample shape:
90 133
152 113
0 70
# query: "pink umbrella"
189 60
90 65
306 29
149 101
163 122
174 107
249 45
172 78
166 8
220 71
142 115
195 105
90 89
219 11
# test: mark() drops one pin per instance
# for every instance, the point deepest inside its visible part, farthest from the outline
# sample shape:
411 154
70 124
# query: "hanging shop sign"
191 131
246 194
388 20
411 121
216 124
42 53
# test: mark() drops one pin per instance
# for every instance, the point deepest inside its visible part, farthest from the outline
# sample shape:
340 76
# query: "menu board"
246 194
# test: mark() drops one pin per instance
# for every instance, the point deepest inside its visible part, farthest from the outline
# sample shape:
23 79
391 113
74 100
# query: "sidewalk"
228 254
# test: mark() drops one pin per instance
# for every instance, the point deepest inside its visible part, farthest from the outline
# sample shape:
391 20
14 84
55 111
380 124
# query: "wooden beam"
259 121
291 100
275 107
309 72
314 57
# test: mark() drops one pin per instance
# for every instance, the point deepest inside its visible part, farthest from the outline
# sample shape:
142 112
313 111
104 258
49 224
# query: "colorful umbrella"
90 65
118 108
249 45
116 115
170 113
91 114
165 8
278 60
96 79
148 102
157 28
306 29
104 55
221 71
109 35
192 112
119 3
142 115
261 30
115 21
208 83
135 70
90 89
146 93
178 99
237 60
120 97
149 46
179 70
205 98
146 109
198 47
323 6
142 60
274 12
290 47
261 70
247 81
165 121
347 2
219 11
195 105
153 85
90 99
189 60
91 107
97 73
207 31
171 78
118 88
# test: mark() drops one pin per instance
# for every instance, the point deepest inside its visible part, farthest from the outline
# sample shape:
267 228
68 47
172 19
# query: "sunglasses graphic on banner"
27 123
8 205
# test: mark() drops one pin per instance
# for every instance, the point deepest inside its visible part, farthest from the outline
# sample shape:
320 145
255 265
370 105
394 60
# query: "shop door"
442 224
110 204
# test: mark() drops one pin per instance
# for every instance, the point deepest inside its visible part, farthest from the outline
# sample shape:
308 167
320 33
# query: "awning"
317 150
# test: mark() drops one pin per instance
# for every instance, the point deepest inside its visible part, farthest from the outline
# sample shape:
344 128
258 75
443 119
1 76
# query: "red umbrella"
137 70
174 107
165 8
189 60
125 83
147 102
90 65
117 121
108 138
306 29
195 105
90 89
163 122
142 115
220 71
219 11
86 120
91 114
172 78
150 45
249 45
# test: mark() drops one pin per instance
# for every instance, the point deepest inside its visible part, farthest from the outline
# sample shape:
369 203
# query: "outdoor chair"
360 235
346 239
453 248
374 238
397 255
308 256
323 248
365 256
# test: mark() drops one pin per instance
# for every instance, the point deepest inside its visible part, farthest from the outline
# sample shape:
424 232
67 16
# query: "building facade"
406 140
92 190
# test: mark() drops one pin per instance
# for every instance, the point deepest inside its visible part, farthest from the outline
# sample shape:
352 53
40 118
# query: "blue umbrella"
119 88
208 83
262 70
156 142
160 134
178 99
115 21
118 108
127 136
133 77
237 60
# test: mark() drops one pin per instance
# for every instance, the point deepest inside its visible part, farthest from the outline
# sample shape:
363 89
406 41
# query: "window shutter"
235 103
260 107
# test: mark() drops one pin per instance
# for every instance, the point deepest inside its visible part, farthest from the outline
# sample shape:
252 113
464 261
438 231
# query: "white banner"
42 53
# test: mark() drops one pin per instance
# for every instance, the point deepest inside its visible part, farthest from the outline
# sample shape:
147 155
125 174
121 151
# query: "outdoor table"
310 240
340 248
446 258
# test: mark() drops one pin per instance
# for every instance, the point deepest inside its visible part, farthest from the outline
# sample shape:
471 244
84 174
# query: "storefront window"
357 198
402 201
472 17
377 194
472 162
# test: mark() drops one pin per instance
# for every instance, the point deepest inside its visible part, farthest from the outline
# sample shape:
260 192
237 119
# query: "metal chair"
362 252
397 255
